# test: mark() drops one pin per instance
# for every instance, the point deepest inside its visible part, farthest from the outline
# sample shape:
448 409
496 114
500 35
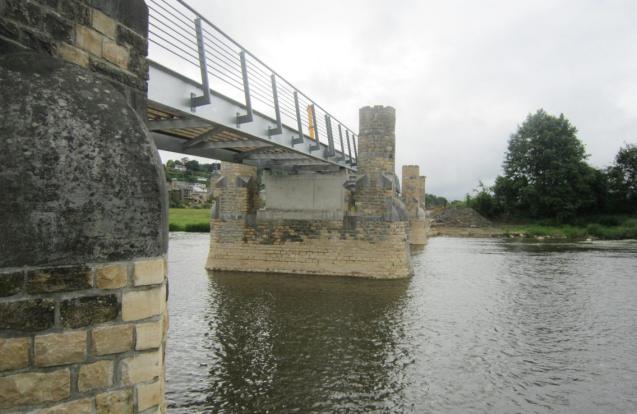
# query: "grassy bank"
189 219
607 228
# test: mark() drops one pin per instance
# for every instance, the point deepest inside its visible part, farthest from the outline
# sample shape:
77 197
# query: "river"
484 326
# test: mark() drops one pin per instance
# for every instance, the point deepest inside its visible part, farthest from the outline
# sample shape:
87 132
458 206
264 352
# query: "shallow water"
484 326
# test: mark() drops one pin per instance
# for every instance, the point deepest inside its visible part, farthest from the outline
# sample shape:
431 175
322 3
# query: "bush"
197 227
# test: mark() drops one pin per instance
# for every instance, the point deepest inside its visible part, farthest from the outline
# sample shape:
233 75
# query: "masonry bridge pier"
89 90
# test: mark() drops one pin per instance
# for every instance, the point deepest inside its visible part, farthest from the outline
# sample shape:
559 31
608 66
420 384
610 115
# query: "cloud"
461 74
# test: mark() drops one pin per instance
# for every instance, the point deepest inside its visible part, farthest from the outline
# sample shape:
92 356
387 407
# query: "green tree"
484 201
545 172
432 201
622 180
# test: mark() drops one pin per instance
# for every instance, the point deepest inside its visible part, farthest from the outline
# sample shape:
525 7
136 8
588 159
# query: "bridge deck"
240 110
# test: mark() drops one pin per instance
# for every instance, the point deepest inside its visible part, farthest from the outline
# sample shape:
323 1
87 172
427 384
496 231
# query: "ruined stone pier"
332 223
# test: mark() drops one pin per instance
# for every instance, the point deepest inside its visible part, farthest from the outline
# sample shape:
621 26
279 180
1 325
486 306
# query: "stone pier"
413 195
328 223
83 285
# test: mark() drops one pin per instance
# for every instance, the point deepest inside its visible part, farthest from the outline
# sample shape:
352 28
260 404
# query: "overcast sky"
462 75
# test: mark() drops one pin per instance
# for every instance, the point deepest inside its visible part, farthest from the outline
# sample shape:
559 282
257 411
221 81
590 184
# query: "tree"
622 180
433 201
484 201
545 173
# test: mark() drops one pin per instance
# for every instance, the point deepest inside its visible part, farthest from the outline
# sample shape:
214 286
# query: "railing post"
340 136
196 101
330 136
277 112
349 148
299 121
355 152
242 119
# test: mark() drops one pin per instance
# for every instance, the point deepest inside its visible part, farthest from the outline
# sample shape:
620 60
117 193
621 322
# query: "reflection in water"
484 326
304 343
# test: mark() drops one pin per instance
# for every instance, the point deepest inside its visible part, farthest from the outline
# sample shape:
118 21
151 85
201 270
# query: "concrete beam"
178 124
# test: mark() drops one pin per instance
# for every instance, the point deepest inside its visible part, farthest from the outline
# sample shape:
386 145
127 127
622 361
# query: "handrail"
227 63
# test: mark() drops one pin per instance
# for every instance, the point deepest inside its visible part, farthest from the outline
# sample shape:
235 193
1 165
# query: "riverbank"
193 220
619 229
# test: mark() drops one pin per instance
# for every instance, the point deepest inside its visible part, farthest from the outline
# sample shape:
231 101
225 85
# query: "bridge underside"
216 130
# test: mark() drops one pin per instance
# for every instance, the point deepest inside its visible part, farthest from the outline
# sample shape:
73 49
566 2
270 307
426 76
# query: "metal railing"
205 52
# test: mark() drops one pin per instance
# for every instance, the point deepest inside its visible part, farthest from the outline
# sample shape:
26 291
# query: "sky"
462 75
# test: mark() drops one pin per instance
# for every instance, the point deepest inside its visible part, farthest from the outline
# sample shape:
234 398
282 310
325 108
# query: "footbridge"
83 229
209 96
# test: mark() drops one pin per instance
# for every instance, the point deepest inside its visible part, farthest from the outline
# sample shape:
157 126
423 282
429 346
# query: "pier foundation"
413 194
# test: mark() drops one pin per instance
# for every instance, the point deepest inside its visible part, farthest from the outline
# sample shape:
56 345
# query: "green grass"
195 220
619 227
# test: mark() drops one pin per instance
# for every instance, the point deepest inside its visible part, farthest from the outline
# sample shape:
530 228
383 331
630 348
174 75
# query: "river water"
484 326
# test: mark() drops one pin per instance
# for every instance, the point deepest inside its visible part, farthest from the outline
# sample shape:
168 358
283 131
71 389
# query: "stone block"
142 304
96 375
141 368
14 353
58 28
34 388
149 395
89 40
126 36
112 339
120 402
75 11
84 406
60 348
104 24
11 283
72 54
27 315
59 279
149 335
112 276
149 272
22 12
116 54
89 310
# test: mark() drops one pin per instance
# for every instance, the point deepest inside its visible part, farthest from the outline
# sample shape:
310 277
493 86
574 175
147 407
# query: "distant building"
186 192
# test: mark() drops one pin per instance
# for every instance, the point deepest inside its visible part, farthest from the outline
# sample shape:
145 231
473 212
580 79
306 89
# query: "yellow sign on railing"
310 120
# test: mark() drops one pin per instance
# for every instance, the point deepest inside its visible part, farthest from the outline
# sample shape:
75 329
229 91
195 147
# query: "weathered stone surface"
84 311
14 353
142 304
11 283
96 375
112 339
111 276
84 406
149 395
59 279
104 24
60 348
132 13
27 315
149 272
34 388
72 54
89 40
120 402
116 54
149 335
68 193
141 367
